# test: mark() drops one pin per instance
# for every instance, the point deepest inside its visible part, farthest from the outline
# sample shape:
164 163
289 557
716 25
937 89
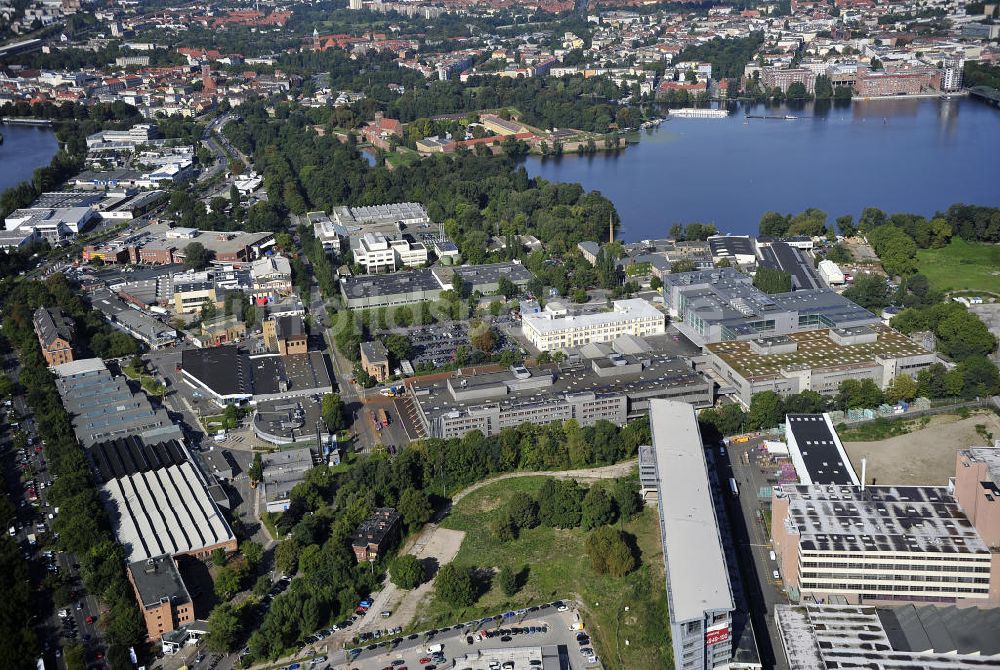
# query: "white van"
435 648
771 554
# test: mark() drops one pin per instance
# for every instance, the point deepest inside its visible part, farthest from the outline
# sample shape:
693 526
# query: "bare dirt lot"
925 455
434 546
860 250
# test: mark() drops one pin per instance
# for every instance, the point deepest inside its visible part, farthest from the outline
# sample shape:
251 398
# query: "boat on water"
652 123
773 117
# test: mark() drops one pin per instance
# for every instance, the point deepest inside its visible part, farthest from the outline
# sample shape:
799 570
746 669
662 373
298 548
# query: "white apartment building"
554 329
377 253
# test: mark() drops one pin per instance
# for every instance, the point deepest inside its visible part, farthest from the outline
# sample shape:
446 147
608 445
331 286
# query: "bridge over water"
990 95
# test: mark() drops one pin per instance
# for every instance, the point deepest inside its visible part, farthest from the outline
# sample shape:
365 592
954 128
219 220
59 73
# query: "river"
912 155
24 149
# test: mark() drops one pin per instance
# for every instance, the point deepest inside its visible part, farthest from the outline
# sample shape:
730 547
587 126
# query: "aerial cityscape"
500 334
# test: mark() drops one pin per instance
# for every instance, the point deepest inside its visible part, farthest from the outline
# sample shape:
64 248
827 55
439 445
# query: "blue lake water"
913 155
23 150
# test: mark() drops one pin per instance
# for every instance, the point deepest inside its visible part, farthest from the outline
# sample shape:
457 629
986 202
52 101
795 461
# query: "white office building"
554 329
376 253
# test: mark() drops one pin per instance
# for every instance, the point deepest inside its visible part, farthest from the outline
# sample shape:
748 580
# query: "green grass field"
962 266
558 567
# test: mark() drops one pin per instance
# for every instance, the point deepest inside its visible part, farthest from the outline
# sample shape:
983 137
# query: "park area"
553 564
925 453
962 266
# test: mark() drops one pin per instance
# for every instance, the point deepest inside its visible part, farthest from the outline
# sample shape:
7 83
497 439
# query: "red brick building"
903 82
377 534
55 335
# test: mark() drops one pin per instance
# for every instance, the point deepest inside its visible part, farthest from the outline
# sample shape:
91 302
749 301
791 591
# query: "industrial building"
831 272
827 636
286 335
699 596
788 256
166 511
817 452
229 375
163 244
546 657
737 249
126 456
815 360
330 233
426 284
103 407
611 387
283 470
722 304
483 278
390 290
376 252
375 360
382 238
553 329
864 544
291 421
977 489
128 318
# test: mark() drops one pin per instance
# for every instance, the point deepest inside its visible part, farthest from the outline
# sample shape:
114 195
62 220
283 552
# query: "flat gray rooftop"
157 578
879 519
421 279
283 470
988 455
662 372
821 637
697 577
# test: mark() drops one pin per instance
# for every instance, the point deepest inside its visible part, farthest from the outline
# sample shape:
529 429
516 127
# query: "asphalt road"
762 589
32 518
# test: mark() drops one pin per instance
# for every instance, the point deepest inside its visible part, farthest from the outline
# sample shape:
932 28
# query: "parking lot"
436 345
535 627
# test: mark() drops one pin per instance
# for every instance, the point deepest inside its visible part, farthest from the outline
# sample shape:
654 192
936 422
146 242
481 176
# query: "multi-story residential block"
772 77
